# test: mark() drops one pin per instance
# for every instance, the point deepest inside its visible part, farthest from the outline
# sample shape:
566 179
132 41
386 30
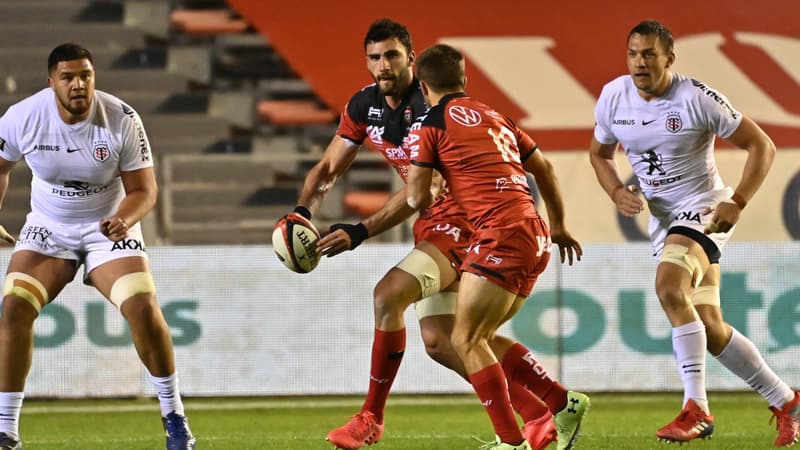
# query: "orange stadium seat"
204 22
365 203
293 112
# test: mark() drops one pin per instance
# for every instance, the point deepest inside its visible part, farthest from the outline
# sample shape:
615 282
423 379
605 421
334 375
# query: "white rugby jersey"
75 167
669 140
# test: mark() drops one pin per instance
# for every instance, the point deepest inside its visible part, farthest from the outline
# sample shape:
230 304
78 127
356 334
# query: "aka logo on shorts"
128 244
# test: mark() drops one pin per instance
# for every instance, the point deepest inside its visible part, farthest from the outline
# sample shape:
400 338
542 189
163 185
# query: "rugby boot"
497 445
179 436
363 429
540 432
568 420
691 423
9 443
788 422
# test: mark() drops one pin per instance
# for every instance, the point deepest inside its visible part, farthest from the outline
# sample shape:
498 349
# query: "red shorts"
511 257
451 235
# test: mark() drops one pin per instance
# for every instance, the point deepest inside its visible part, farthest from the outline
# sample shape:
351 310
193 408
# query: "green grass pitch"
615 421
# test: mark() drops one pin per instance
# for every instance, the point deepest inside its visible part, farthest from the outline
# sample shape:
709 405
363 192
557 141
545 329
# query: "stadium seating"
233 127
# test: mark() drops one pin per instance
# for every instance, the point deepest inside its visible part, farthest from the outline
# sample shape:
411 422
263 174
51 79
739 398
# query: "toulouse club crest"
101 152
674 122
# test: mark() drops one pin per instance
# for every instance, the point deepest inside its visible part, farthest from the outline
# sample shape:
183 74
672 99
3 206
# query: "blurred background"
239 99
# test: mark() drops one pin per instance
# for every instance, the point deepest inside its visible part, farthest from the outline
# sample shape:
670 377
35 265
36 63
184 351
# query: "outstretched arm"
547 182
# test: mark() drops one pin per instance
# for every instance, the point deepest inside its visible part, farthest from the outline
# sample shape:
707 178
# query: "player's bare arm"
321 178
547 182
141 191
760 154
626 198
6 239
418 187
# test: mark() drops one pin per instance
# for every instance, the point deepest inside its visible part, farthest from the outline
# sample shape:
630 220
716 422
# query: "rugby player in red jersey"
483 158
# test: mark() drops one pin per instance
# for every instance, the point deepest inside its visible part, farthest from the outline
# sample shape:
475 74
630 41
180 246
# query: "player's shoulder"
367 97
33 102
691 87
115 109
618 86
693 91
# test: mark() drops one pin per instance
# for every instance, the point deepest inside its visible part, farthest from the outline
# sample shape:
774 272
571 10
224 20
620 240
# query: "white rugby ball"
295 242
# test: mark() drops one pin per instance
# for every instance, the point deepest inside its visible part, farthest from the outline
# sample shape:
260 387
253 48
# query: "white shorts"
81 242
691 215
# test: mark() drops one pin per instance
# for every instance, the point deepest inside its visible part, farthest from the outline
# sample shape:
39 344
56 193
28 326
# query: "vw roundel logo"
464 116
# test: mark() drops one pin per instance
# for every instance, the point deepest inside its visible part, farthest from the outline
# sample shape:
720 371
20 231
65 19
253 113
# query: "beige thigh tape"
131 284
706 295
680 256
437 304
420 265
36 299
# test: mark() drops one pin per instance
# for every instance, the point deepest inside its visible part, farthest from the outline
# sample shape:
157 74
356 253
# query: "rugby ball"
295 242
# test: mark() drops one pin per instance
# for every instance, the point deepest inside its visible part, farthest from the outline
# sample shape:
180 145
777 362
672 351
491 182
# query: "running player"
667 123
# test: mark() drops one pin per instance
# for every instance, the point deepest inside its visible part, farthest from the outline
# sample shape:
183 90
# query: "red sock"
387 354
490 385
528 406
520 367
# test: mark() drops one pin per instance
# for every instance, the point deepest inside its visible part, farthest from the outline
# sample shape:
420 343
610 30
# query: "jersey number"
506 144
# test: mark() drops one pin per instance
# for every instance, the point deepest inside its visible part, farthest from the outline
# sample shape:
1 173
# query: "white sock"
742 358
168 394
10 406
689 345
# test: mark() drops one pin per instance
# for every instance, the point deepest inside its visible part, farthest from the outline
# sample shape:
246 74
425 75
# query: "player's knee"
26 288
388 302
437 342
132 285
670 295
392 297
464 341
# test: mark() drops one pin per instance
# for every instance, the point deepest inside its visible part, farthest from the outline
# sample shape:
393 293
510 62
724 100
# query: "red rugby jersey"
479 152
369 121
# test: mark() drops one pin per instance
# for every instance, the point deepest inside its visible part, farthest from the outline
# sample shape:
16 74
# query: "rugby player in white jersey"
93 181
667 124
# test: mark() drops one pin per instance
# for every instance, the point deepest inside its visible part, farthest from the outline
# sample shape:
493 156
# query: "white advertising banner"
244 325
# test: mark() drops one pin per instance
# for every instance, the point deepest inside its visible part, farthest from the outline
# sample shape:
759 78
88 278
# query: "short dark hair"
383 29
441 67
649 27
67 52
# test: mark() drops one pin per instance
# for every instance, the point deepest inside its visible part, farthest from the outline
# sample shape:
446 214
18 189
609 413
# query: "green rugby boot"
568 420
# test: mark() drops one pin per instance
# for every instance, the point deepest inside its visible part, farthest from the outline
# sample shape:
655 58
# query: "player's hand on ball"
342 237
6 239
114 228
294 240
